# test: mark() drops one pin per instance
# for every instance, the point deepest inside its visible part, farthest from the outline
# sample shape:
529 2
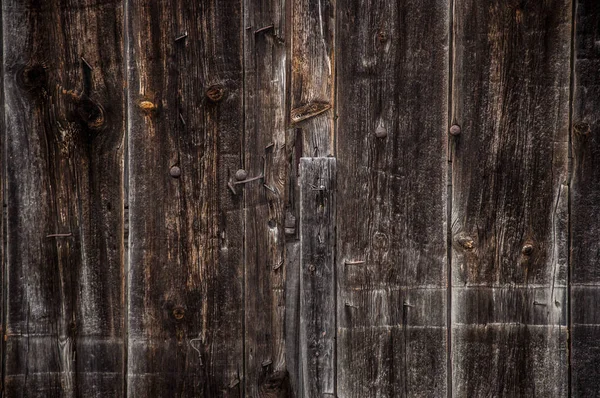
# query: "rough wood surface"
317 277
510 197
313 67
185 281
266 123
585 203
63 86
392 85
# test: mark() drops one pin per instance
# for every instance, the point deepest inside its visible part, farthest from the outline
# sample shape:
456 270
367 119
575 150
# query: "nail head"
175 172
241 175
381 132
215 93
178 313
527 249
455 129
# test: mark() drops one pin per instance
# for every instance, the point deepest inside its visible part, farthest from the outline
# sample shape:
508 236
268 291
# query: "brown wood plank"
392 86
63 86
585 203
312 60
265 151
186 227
317 283
510 97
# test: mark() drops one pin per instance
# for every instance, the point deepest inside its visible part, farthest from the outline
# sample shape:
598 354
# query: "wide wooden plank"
510 97
266 122
63 87
317 278
185 281
585 203
392 86
313 65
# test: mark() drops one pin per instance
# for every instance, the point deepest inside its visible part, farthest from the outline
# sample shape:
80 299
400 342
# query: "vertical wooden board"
265 155
185 282
510 96
317 283
312 76
63 90
585 203
392 89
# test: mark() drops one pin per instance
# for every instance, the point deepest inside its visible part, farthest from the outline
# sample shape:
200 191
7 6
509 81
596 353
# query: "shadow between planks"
300 198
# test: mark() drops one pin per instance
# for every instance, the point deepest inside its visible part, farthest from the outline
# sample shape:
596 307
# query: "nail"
215 93
175 172
466 242
455 129
59 235
241 174
266 363
178 313
527 249
183 36
381 132
86 63
264 28
249 180
347 262
581 128
350 305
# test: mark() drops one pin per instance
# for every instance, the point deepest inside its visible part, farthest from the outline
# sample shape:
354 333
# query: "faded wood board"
264 198
317 283
585 203
185 281
63 86
392 85
510 96
312 64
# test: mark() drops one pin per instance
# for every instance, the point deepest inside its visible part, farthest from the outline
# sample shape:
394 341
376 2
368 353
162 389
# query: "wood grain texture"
585 203
392 85
185 277
317 278
311 86
510 198
265 152
63 87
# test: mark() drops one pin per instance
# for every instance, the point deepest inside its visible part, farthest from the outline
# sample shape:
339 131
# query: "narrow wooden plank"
392 86
312 58
265 154
63 87
185 285
585 203
317 278
510 97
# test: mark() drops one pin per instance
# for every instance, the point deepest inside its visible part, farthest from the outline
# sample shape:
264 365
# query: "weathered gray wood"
63 87
585 203
317 283
186 242
510 197
313 66
392 85
265 152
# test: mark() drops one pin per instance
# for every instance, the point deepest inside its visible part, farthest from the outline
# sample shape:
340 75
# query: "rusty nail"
178 313
175 172
241 174
466 242
455 129
527 249
183 36
215 93
381 132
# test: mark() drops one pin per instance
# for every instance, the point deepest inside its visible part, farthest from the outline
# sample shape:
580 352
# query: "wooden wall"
301 198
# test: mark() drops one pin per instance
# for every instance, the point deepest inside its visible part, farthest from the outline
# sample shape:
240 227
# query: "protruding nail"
527 249
181 37
241 174
381 132
175 172
455 129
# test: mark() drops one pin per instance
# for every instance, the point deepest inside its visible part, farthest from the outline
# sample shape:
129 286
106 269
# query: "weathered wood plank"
312 59
63 86
265 154
585 203
186 240
392 85
510 197
317 283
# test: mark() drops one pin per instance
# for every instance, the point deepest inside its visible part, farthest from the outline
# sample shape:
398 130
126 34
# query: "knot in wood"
91 113
148 107
241 175
455 129
215 93
466 242
32 77
581 128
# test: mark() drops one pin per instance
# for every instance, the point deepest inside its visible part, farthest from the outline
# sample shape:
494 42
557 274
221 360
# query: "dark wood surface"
510 96
63 84
166 232
392 86
585 203
185 118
